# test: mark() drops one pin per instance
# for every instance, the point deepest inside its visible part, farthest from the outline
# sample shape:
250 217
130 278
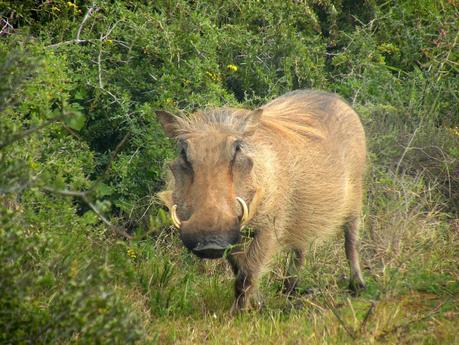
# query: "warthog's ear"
168 121
252 121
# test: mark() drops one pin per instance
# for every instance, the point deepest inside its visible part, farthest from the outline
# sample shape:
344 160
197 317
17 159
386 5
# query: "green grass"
414 299
412 293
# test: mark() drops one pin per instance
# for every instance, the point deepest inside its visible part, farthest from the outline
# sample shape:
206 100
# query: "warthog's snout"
210 245
209 234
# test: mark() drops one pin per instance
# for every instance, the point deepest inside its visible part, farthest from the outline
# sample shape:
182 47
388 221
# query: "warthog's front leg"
249 265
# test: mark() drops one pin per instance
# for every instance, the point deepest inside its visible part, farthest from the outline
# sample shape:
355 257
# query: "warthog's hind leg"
248 266
351 229
296 260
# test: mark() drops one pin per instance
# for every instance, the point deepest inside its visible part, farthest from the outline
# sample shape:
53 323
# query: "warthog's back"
311 161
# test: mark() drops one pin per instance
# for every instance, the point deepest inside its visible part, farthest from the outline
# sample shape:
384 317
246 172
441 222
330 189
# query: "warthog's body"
307 153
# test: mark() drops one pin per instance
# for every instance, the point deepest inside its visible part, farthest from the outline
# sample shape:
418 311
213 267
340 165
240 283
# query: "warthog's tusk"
175 219
245 211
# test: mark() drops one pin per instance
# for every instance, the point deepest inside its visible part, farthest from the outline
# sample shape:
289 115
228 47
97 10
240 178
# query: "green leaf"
76 121
103 190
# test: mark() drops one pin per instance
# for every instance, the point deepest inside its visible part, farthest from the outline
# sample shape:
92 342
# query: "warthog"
292 170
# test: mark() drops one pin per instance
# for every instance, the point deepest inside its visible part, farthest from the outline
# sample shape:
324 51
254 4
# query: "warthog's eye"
237 147
183 152
240 161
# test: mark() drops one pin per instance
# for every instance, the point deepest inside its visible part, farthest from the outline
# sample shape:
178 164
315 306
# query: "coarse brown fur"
300 168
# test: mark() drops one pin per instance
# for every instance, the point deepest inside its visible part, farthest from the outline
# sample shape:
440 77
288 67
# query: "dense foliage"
86 253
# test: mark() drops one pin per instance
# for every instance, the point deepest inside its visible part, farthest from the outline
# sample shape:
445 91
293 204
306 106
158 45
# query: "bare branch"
117 229
367 317
64 43
65 192
93 9
407 148
7 28
99 67
348 330
104 37
84 195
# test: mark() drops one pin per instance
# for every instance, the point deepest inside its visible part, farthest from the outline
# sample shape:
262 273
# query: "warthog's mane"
291 117
227 119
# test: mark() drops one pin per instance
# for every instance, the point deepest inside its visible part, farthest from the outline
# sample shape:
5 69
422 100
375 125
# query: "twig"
99 59
65 192
88 14
7 27
72 132
93 9
348 330
367 317
99 67
64 43
407 148
83 195
104 37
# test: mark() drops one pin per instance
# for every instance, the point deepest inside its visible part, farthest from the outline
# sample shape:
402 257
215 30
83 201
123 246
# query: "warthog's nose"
209 245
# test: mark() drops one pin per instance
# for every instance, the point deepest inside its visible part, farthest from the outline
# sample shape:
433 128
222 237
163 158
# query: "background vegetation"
86 252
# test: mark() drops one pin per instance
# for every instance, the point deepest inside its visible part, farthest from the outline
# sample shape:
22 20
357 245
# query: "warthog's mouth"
209 251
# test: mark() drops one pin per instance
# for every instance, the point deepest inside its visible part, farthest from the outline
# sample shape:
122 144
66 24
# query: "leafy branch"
85 195
24 134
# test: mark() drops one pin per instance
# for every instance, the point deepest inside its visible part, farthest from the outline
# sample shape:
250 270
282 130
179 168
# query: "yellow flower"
54 8
71 4
454 131
232 68
213 76
109 41
131 253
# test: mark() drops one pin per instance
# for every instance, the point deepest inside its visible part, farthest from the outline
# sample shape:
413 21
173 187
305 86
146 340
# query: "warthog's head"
212 183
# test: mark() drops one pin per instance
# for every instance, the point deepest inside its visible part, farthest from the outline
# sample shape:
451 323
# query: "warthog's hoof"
290 286
247 304
356 287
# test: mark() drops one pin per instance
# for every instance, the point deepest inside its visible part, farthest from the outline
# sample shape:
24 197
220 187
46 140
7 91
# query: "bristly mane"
229 119
293 116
